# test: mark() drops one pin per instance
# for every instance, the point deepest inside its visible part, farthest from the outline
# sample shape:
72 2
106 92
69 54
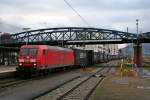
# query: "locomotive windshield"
28 51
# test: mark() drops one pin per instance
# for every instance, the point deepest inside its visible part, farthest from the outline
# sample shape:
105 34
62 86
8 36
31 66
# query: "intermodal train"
35 59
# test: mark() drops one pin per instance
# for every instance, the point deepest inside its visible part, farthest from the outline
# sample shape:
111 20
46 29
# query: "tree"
6 38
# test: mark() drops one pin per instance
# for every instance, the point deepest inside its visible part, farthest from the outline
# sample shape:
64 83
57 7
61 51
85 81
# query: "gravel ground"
144 72
60 91
110 73
82 91
115 87
53 95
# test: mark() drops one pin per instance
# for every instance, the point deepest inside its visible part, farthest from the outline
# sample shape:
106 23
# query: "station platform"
4 68
7 71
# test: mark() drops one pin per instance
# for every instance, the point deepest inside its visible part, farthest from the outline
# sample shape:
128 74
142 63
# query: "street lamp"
137 23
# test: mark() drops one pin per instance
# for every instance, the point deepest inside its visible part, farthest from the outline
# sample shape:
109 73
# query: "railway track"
13 81
4 83
78 88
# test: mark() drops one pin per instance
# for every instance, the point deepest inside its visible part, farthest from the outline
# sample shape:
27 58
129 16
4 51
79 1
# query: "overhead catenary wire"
77 13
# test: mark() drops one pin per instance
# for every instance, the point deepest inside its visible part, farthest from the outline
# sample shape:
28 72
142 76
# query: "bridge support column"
138 58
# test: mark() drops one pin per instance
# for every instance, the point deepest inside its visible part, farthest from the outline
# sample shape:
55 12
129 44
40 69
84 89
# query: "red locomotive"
35 58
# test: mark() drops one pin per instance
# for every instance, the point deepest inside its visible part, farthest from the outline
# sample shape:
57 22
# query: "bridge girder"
67 34
144 35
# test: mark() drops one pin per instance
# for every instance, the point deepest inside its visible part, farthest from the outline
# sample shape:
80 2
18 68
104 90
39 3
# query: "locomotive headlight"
20 64
21 60
32 60
34 64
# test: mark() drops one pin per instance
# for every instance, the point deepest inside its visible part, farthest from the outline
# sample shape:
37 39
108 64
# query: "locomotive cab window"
28 51
24 51
44 52
33 51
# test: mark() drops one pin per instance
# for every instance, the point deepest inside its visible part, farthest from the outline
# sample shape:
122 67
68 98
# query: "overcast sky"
109 14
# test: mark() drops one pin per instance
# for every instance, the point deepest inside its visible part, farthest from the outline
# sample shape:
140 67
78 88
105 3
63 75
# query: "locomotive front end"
27 60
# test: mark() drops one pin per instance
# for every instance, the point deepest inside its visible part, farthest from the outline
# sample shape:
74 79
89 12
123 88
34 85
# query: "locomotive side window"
44 52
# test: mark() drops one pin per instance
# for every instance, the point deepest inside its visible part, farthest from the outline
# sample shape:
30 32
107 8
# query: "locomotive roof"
47 46
58 48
